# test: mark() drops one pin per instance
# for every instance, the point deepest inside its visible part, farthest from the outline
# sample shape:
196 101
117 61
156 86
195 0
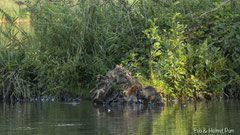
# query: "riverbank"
182 51
64 97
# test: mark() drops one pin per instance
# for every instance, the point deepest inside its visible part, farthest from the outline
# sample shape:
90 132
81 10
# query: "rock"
132 99
66 96
53 99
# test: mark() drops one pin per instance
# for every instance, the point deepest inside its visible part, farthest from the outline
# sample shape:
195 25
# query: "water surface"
212 117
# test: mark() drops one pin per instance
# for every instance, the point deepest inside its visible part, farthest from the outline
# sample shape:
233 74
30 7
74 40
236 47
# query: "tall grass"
13 86
74 41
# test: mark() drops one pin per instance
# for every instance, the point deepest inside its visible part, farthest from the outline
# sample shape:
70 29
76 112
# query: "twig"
225 2
129 20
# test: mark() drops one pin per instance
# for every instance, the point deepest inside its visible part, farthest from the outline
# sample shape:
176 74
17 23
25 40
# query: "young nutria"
130 94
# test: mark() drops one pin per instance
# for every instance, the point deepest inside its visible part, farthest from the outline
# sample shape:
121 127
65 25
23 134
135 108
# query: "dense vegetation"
184 48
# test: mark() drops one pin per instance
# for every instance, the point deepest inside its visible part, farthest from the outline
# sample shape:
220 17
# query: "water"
212 117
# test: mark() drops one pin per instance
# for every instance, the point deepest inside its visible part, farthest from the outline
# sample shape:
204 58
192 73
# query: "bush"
181 70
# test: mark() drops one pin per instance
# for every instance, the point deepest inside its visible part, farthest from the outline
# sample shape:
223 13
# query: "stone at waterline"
118 87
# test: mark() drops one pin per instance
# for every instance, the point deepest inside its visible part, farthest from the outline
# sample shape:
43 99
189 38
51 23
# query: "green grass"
13 9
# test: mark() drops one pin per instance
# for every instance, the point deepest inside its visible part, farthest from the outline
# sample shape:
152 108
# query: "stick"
225 2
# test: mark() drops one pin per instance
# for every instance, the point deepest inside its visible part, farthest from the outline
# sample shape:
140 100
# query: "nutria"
130 94
146 92
149 94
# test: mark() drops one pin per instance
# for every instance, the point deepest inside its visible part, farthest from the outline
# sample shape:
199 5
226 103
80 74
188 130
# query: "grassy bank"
185 48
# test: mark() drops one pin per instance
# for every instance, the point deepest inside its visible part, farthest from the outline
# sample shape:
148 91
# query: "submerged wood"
119 87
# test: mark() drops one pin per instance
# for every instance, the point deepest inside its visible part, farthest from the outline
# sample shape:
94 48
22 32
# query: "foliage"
180 69
188 62
73 42
222 29
181 47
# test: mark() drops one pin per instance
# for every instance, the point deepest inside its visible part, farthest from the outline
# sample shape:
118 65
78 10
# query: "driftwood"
118 87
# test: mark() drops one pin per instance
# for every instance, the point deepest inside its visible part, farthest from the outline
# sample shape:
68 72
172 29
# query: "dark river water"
213 117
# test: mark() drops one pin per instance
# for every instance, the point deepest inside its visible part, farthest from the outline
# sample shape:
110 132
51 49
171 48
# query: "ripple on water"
23 128
67 125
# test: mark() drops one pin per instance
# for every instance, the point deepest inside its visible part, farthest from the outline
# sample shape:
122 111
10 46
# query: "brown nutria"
155 98
149 94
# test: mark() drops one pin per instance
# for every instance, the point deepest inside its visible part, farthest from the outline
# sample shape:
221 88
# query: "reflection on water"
66 118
